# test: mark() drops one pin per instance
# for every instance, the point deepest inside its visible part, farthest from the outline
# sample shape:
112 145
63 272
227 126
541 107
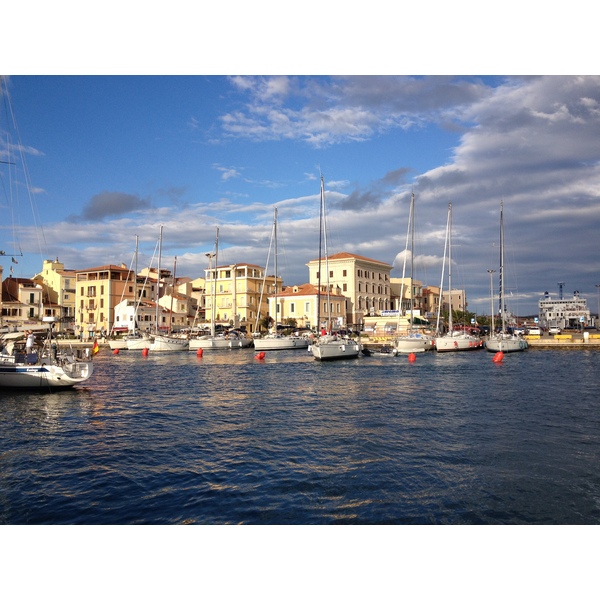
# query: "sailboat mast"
450 325
412 262
172 294
158 278
135 293
321 217
214 290
275 249
502 265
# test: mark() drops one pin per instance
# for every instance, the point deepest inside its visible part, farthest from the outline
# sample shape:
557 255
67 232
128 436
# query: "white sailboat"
165 342
232 340
132 334
46 365
274 340
453 341
329 346
412 341
504 341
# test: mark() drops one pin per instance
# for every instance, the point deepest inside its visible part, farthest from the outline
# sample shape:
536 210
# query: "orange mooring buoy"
116 351
199 353
145 352
498 357
412 357
260 356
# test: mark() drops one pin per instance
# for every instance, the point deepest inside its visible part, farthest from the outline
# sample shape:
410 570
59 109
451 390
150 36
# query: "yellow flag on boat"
95 347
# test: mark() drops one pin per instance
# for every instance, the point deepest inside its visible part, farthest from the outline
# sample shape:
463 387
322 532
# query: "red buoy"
412 357
260 356
116 351
145 352
498 357
199 353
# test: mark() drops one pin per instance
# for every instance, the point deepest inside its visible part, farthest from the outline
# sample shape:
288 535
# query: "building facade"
365 282
97 291
237 295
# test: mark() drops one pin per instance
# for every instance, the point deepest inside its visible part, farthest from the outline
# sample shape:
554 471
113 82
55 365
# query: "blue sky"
111 157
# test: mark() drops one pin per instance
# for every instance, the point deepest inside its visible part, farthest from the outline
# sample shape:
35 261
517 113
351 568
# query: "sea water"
226 438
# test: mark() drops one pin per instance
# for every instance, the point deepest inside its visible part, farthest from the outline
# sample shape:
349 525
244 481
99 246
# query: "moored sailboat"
412 340
329 346
274 340
453 340
43 366
165 342
503 341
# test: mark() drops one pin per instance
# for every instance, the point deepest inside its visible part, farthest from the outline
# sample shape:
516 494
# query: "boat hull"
457 343
219 343
506 344
118 344
44 376
335 349
138 343
413 343
165 343
281 343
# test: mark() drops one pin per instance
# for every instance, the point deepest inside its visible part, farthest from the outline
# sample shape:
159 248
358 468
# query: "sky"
113 155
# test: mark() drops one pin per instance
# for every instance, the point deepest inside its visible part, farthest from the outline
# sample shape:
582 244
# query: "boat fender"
498 357
116 351
199 353
260 356
145 352
412 357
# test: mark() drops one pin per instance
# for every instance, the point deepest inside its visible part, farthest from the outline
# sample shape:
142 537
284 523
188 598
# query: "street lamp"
491 272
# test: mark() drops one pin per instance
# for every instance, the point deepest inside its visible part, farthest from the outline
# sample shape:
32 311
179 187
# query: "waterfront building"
58 284
564 312
241 292
300 303
98 290
365 283
22 302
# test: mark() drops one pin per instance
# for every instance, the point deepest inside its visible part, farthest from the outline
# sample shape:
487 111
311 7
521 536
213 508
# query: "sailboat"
504 341
44 366
413 341
453 341
329 346
274 340
134 339
232 340
166 342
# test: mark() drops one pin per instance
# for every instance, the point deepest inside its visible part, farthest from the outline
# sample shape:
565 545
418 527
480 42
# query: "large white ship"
564 312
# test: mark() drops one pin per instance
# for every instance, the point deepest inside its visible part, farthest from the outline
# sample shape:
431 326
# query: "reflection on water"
226 438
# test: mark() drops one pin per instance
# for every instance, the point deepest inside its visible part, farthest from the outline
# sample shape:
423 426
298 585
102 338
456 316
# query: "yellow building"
238 294
98 291
58 284
365 282
300 303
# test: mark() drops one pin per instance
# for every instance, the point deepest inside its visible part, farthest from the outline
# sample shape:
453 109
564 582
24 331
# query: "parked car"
534 331
554 330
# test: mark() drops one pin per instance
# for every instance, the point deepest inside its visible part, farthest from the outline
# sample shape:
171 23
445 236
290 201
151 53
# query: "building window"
292 307
344 273
345 287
